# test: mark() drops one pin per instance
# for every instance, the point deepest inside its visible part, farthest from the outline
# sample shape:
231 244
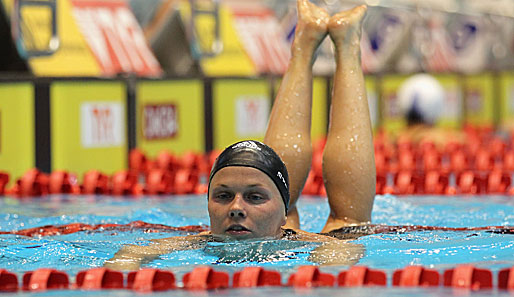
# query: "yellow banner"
17 152
507 100
479 98
232 60
374 108
73 57
88 120
170 116
240 110
451 115
392 118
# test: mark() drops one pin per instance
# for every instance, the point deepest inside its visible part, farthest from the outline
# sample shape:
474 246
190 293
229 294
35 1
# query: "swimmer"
421 99
253 187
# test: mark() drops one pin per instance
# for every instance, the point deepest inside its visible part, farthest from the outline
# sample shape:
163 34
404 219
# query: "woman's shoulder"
300 235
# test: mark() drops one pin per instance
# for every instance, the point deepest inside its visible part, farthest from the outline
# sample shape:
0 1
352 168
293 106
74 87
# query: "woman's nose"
237 213
236 208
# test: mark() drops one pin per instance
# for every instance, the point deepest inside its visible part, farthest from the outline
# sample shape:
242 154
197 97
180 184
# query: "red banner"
115 37
160 121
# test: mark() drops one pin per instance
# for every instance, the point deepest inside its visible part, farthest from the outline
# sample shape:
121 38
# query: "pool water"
439 250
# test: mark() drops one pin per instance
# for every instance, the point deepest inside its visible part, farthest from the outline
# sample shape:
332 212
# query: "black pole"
208 115
42 126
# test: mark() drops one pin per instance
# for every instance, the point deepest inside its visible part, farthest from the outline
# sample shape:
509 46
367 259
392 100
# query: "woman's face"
245 203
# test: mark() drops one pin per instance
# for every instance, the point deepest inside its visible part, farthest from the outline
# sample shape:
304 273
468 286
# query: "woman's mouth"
237 230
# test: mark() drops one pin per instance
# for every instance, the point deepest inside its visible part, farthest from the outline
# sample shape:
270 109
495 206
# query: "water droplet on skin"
296 94
351 139
299 135
295 145
299 150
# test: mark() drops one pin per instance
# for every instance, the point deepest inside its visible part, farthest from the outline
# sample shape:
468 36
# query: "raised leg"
289 127
348 158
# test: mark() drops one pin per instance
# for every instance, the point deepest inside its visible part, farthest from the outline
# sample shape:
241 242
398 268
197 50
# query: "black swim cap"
255 154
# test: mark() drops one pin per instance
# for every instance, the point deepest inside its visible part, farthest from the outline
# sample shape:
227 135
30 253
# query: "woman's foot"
311 27
345 27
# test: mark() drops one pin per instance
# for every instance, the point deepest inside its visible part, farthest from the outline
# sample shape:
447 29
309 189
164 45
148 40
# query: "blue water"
87 249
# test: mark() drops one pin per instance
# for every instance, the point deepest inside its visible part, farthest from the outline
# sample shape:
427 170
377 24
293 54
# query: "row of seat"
206 278
125 182
187 181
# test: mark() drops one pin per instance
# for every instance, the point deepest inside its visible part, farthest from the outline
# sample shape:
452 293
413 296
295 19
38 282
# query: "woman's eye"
223 196
256 197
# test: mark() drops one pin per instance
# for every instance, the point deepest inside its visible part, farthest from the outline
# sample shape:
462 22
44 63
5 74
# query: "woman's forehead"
242 173
242 176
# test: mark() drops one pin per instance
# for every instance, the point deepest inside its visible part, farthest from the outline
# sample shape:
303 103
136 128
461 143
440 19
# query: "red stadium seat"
138 161
498 182
95 182
125 183
159 182
61 182
4 179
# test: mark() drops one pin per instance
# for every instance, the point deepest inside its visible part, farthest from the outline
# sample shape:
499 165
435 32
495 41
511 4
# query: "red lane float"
8 281
45 279
358 276
256 277
506 279
51 230
205 278
99 278
416 276
149 279
148 227
310 276
468 277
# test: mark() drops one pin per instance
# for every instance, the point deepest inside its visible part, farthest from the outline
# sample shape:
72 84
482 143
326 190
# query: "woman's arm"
131 257
332 251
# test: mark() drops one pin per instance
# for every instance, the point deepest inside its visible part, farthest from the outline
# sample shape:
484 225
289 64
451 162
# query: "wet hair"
414 114
255 154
